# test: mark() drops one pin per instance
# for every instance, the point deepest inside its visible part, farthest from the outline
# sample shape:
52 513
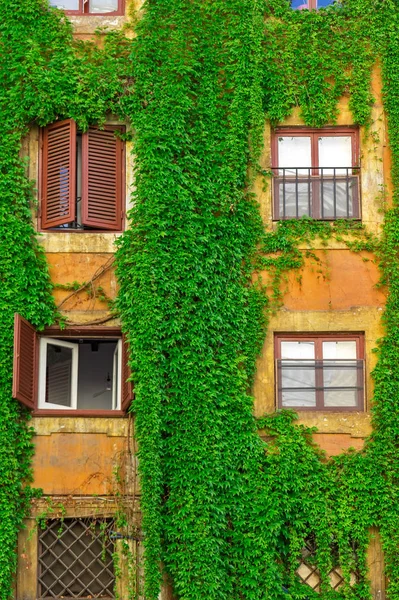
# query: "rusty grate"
309 574
75 560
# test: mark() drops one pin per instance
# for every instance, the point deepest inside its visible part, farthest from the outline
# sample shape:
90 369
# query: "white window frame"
74 346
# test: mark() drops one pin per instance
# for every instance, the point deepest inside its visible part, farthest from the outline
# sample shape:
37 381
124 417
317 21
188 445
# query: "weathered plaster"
359 319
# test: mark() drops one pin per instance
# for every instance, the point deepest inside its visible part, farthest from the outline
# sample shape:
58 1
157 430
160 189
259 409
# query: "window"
320 372
83 370
309 574
315 173
82 178
94 7
315 4
75 559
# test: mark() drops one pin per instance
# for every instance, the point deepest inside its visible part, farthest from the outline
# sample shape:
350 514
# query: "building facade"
317 357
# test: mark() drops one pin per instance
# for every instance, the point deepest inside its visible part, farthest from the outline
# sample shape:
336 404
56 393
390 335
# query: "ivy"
45 76
225 510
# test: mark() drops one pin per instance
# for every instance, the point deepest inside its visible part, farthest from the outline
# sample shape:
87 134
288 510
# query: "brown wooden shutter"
25 362
59 174
102 179
127 386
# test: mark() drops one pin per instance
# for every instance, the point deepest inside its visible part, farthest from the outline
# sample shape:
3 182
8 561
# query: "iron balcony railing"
320 384
326 193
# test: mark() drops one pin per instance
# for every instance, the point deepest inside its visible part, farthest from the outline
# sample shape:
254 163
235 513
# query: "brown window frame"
30 397
84 10
319 338
314 133
120 202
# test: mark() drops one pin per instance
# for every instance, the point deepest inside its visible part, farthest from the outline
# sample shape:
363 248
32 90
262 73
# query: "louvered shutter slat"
59 174
127 386
102 179
25 363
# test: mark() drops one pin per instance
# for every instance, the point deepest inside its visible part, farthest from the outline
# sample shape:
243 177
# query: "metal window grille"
75 560
309 574
321 384
326 193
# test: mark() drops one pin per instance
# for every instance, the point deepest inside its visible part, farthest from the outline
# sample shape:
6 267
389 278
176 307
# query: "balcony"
324 193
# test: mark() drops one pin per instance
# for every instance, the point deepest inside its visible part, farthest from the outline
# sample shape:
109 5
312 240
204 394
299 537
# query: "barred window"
75 560
320 372
308 572
316 173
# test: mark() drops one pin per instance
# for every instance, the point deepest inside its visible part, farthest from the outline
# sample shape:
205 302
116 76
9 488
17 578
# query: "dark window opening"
82 375
64 371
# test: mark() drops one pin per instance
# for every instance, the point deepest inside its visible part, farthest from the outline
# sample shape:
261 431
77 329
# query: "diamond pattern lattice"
75 560
309 574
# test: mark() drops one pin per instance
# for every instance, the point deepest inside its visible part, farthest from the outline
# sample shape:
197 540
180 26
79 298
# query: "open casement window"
310 4
64 373
82 178
90 7
320 372
316 173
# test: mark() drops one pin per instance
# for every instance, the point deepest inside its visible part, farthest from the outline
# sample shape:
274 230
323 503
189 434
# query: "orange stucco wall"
77 463
342 279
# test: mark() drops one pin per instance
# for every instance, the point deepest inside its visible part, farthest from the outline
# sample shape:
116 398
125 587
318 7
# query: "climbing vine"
45 75
225 511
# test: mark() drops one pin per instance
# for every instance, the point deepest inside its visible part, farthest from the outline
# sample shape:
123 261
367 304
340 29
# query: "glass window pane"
340 398
299 4
295 199
294 152
298 375
335 152
304 399
103 6
343 198
339 374
345 349
65 4
58 375
301 350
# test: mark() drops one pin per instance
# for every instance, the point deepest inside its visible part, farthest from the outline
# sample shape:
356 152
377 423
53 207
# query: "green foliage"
44 76
226 513
224 510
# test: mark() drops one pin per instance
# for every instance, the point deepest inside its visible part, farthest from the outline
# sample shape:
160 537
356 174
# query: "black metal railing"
321 383
326 193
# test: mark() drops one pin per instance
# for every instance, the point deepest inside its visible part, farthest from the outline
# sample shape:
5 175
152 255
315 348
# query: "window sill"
45 412
324 409
49 424
89 23
307 218
79 242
